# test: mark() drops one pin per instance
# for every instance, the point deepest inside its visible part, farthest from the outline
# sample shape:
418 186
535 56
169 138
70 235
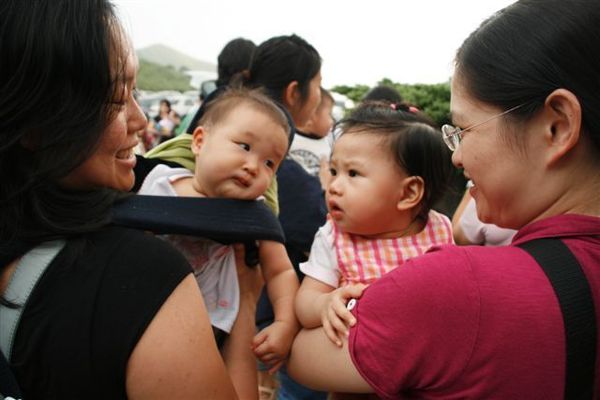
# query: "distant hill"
155 77
164 55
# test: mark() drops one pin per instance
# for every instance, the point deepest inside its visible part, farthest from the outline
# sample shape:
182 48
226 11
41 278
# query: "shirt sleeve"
322 263
472 227
417 325
478 232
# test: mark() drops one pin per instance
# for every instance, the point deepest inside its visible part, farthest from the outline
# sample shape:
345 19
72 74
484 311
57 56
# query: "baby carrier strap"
223 220
29 270
576 303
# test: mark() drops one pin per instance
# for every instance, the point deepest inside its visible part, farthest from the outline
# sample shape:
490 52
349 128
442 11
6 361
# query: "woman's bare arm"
319 364
177 357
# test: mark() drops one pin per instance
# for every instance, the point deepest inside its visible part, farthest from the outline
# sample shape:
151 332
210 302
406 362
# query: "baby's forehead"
366 136
273 114
283 130
359 143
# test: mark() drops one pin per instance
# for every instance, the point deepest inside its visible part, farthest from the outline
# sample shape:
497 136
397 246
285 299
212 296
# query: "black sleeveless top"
88 312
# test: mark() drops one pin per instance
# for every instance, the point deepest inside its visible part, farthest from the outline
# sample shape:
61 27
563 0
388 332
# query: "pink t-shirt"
472 322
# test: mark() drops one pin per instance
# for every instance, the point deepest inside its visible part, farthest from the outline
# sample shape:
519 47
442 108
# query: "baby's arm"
272 344
237 353
318 303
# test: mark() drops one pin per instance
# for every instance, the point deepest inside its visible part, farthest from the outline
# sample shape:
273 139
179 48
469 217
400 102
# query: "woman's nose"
136 119
457 157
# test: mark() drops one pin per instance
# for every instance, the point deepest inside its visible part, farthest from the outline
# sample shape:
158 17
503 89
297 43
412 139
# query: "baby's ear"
198 139
411 193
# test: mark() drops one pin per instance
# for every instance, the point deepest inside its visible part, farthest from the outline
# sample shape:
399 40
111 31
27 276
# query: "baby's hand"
273 344
335 317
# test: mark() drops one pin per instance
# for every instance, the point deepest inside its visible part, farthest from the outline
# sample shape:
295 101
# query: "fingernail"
351 304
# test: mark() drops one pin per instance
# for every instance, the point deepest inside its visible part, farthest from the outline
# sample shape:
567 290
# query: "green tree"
354 93
432 99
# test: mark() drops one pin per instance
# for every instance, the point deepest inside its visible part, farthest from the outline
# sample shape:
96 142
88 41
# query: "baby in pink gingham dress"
388 167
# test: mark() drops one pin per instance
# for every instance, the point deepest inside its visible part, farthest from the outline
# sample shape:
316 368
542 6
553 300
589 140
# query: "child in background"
468 229
388 168
311 147
163 125
238 146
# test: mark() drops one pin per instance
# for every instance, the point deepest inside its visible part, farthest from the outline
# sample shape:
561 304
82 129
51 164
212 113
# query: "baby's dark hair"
220 107
412 139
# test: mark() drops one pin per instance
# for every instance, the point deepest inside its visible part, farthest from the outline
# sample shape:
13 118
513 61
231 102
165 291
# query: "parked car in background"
341 105
181 103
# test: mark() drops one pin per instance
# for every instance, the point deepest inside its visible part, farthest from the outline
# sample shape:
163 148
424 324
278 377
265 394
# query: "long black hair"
60 62
529 49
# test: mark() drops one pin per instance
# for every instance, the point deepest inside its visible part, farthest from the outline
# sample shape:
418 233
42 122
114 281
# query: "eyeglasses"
453 135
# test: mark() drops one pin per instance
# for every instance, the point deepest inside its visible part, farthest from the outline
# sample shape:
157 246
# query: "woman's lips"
125 154
127 157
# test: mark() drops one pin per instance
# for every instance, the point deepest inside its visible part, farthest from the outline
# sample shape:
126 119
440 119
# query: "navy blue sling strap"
575 298
223 220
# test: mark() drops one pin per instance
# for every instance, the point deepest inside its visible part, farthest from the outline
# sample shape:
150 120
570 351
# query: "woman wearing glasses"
485 322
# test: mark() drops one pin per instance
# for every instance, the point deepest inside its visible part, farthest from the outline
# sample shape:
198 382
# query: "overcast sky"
360 42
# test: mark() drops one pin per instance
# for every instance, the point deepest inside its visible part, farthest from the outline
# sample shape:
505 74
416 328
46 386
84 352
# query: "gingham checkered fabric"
364 260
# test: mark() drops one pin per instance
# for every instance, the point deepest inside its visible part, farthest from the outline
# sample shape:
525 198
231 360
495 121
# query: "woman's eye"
118 104
244 146
127 96
352 173
332 171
